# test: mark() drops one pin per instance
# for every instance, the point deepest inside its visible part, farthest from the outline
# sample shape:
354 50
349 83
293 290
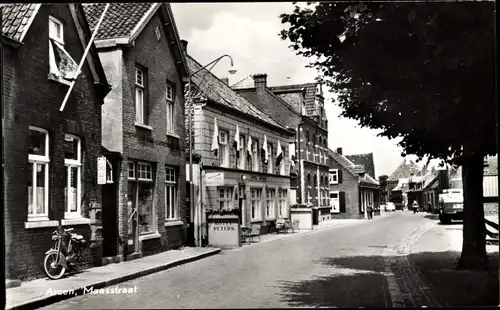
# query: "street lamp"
191 106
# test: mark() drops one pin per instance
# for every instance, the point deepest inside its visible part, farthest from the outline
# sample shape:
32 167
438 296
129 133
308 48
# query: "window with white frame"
255 201
270 158
224 149
309 195
243 152
333 177
334 202
171 212
38 170
255 155
170 108
140 96
140 195
270 206
73 164
56 30
109 172
225 197
282 195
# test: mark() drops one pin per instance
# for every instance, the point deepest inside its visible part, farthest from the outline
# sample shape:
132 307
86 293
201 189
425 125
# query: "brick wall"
154 145
33 100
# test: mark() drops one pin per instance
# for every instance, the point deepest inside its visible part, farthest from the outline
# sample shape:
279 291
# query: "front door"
110 211
132 220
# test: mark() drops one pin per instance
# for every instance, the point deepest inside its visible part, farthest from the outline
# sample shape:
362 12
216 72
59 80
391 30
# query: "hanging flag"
60 62
279 156
236 141
215 139
249 147
264 153
291 153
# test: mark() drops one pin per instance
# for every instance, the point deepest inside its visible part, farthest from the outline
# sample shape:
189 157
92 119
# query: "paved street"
335 267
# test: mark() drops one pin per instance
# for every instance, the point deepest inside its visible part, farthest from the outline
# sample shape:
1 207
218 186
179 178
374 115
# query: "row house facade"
301 107
50 151
351 189
144 202
238 175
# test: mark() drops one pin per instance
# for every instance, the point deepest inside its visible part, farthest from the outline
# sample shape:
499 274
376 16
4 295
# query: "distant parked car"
390 206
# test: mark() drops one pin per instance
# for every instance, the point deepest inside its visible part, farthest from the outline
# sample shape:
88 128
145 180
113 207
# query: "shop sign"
214 179
101 170
224 231
258 178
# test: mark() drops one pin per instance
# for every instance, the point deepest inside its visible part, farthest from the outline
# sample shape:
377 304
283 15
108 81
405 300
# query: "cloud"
249 33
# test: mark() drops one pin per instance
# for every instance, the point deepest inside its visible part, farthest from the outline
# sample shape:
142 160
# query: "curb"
47 300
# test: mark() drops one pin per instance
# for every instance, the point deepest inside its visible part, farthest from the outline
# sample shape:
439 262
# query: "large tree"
422 72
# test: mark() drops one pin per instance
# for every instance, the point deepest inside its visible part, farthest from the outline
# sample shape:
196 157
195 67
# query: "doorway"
110 210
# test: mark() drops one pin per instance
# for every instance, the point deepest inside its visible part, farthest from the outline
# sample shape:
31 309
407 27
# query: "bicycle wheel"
52 269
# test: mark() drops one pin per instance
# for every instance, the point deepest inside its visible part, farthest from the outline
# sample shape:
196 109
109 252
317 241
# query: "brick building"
50 156
351 189
142 128
258 190
300 107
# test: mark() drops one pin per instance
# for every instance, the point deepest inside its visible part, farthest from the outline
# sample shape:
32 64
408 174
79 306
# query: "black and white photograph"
222 155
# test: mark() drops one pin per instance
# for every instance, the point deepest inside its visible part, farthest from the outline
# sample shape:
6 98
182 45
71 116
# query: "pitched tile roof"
121 18
364 159
219 92
16 18
403 170
352 168
289 93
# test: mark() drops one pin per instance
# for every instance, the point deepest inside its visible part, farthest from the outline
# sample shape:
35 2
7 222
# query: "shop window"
225 201
282 205
73 186
223 149
38 171
140 195
171 206
270 206
255 201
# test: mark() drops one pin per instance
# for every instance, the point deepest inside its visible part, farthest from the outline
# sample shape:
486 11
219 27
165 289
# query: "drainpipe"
301 187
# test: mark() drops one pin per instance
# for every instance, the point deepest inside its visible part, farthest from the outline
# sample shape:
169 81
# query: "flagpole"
84 56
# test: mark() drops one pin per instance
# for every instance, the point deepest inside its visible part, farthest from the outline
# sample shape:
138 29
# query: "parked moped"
67 250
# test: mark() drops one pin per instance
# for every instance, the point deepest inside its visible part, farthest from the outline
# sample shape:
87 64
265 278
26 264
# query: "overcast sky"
249 33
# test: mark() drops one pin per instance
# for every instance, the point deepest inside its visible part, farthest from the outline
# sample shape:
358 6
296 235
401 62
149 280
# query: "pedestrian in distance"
369 211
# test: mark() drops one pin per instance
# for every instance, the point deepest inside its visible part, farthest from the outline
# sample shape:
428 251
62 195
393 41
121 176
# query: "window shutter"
342 202
339 175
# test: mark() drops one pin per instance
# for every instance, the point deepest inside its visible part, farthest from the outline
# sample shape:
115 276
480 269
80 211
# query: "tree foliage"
424 72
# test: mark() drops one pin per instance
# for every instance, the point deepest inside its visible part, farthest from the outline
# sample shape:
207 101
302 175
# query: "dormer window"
62 67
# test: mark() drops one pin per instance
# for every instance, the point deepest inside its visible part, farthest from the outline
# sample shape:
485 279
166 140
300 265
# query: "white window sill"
137 124
173 135
59 80
174 223
40 223
333 183
149 236
75 221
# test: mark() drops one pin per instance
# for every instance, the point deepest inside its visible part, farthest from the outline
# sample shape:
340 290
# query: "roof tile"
120 20
15 17
221 93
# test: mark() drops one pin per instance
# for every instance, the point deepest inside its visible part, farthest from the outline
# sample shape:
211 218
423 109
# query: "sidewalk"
435 256
41 292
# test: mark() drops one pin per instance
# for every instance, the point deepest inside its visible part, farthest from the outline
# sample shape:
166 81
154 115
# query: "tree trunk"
474 230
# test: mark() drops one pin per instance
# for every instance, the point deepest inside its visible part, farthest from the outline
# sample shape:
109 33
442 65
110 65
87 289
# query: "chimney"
260 81
184 46
225 80
339 150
